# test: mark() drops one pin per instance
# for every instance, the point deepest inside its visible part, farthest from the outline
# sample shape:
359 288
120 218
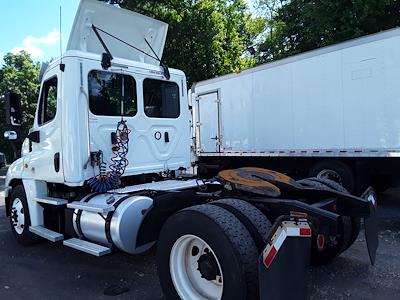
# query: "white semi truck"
330 113
103 170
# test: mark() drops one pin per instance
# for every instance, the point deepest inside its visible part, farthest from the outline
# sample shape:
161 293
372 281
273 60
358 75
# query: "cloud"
32 44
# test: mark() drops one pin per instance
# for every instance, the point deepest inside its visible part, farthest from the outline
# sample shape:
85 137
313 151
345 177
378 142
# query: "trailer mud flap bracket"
283 264
371 225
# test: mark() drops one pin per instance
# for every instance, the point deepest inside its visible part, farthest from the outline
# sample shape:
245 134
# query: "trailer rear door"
209 121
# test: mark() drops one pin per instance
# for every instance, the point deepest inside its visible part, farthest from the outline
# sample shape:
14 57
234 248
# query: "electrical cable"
105 181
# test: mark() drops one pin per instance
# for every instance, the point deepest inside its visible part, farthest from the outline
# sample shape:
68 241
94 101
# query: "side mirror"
10 135
13 109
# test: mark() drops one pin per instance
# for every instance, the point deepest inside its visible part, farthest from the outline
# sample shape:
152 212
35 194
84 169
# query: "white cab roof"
128 26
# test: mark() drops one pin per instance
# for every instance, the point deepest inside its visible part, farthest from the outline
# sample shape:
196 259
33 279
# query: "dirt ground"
51 271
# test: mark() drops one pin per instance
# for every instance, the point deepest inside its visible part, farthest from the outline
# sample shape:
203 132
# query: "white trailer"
327 109
102 170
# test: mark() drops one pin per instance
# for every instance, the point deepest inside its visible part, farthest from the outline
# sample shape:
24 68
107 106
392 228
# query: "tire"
309 182
342 243
333 185
338 169
355 221
21 232
232 244
251 217
349 227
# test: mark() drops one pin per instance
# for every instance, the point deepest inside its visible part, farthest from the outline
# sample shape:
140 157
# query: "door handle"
166 137
57 162
215 138
113 138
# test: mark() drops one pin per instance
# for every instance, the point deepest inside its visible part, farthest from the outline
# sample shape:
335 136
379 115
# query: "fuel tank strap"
109 217
79 215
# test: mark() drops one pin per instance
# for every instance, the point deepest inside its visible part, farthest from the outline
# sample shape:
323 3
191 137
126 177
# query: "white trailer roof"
305 55
128 26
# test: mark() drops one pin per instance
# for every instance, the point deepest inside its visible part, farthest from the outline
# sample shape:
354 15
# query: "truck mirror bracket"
34 136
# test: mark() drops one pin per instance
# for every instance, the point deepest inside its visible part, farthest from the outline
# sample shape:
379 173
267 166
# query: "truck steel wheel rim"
17 216
187 274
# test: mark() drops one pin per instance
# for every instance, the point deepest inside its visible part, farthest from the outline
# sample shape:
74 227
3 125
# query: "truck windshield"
106 94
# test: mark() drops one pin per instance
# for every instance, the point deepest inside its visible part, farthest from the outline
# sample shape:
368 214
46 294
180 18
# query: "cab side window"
48 101
112 94
161 99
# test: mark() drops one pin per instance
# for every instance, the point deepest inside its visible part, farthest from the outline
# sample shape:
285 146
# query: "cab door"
166 124
44 162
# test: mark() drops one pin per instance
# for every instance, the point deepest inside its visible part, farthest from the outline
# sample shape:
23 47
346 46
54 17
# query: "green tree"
19 74
206 38
302 25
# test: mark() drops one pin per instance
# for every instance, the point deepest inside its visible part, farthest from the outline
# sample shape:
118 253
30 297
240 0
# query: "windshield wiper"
106 57
167 75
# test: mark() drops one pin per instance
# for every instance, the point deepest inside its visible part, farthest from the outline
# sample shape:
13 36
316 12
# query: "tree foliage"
302 25
206 38
19 74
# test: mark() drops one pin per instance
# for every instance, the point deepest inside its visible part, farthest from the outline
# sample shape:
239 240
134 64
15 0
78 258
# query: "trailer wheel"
19 217
334 170
205 252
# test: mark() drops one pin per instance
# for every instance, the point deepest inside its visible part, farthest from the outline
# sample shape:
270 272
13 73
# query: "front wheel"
20 218
205 252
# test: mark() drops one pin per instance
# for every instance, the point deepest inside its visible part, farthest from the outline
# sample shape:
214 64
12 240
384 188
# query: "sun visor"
131 27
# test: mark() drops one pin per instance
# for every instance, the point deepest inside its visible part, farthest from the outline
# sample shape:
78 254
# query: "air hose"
107 180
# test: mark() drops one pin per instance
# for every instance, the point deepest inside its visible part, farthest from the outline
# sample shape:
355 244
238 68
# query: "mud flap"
283 265
371 225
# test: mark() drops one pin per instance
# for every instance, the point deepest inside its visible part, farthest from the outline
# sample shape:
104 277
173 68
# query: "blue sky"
33 25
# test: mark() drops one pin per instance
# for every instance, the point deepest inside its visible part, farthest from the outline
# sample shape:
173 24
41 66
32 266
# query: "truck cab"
80 103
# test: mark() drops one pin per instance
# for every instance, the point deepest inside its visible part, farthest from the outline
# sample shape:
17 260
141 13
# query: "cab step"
51 201
46 233
91 207
88 247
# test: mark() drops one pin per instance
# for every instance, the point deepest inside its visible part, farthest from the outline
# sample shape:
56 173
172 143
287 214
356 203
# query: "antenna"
62 66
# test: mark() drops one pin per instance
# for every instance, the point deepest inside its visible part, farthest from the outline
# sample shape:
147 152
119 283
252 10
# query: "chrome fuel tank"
118 227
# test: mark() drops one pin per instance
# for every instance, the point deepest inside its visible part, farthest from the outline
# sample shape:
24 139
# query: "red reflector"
305 231
270 257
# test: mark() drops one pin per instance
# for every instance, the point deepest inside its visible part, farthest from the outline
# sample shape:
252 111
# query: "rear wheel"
251 217
19 217
355 221
205 252
325 248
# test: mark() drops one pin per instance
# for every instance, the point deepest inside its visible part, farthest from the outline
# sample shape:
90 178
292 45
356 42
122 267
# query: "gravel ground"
51 271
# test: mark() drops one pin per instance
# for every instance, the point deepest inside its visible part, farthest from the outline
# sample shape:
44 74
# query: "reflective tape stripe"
281 238
305 231
293 231
288 229
270 257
